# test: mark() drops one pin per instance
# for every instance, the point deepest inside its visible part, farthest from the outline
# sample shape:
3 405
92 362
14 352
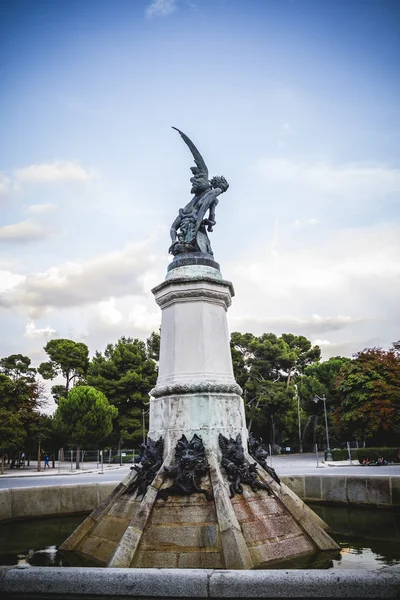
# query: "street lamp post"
328 450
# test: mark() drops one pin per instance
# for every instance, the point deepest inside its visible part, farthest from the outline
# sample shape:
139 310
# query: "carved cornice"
197 293
196 388
221 283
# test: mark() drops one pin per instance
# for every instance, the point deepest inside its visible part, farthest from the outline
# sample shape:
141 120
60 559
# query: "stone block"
156 560
185 513
312 487
200 560
296 484
334 488
183 536
288 548
124 507
126 549
395 482
356 489
378 490
100 548
105 489
111 528
79 535
236 553
34 501
77 498
5 507
268 528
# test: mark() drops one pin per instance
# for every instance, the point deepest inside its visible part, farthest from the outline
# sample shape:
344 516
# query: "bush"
342 454
390 454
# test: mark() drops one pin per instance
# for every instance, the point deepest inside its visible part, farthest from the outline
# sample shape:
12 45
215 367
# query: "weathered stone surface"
100 548
266 528
182 536
111 528
125 508
313 487
151 559
334 488
280 550
395 484
183 513
124 555
75 540
74 498
296 484
356 489
201 560
5 505
34 501
105 489
378 490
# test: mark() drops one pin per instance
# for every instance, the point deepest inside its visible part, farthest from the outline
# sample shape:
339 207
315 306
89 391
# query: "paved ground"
288 464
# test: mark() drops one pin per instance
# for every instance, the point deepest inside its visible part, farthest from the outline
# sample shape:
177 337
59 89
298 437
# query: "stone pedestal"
196 393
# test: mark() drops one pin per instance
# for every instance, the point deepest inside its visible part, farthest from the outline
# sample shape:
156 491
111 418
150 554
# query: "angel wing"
201 167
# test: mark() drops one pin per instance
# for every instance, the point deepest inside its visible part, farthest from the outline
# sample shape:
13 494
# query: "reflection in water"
369 539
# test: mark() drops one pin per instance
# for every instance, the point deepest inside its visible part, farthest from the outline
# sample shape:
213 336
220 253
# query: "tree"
320 379
368 395
67 358
126 373
21 397
84 416
17 366
265 367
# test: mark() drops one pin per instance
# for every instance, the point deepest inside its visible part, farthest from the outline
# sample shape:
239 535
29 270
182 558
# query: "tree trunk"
78 455
53 460
2 464
38 457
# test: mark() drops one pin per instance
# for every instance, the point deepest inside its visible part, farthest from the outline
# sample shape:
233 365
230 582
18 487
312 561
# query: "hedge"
390 454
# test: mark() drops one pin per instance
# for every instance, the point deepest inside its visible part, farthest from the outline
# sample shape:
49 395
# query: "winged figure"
189 230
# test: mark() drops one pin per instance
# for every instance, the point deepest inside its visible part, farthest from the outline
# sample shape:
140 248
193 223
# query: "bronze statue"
189 230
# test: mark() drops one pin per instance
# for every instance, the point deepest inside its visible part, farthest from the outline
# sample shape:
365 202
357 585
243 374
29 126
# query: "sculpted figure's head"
219 182
199 183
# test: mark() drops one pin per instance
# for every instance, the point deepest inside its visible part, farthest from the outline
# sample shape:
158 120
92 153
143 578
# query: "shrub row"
390 454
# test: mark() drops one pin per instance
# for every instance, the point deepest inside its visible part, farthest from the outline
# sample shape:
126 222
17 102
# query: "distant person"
381 461
22 460
46 462
366 461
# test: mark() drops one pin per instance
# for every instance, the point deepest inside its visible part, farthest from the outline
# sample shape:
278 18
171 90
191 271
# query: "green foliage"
12 431
367 391
390 454
85 415
17 367
266 368
126 374
342 454
67 358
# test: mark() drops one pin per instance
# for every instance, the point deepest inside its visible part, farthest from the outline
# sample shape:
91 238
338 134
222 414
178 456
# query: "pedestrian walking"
46 461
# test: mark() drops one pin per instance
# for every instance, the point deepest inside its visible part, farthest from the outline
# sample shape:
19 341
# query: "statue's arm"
174 228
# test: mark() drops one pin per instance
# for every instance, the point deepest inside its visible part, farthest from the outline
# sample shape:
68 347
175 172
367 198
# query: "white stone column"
196 390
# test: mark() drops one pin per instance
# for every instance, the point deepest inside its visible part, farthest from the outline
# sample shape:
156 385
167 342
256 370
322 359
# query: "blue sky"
295 102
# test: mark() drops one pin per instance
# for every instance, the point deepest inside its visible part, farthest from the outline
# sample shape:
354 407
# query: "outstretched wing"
198 159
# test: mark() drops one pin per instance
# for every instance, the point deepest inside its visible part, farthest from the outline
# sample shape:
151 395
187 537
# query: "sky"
295 102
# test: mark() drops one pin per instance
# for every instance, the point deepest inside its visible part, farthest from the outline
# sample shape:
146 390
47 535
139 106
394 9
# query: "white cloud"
341 180
285 324
31 331
9 280
144 320
161 8
108 313
22 232
41 208
77 284
56 172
